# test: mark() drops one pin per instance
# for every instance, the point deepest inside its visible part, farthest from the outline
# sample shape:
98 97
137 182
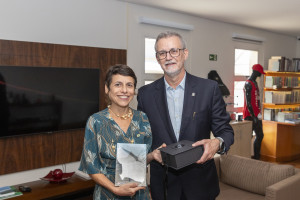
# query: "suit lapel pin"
193 94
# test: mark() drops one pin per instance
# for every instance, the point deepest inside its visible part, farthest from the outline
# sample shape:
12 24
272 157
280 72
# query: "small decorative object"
131 164
24 188
57 176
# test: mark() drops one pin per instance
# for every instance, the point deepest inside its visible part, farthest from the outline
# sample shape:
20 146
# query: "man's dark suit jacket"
203 111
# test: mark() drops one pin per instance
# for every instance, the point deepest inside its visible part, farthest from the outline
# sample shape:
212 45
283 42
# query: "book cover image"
9 192
131 162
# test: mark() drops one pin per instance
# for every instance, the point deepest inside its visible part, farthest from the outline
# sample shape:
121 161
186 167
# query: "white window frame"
252 47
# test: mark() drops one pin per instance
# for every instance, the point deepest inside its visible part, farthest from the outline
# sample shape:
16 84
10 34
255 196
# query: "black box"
181 154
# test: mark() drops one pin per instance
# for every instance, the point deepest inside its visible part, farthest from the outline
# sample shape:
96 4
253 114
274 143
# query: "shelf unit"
76 188
281 140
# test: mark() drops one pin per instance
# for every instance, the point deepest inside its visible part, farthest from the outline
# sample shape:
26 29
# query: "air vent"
247 38
158 22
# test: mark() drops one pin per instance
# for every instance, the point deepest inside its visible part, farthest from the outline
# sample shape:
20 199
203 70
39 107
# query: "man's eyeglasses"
160 55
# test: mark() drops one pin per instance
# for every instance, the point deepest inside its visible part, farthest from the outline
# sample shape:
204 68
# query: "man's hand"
211 147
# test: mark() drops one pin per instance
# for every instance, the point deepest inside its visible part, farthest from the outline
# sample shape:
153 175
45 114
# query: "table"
75 188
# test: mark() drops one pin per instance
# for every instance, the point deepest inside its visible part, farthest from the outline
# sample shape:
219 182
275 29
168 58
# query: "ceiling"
279 16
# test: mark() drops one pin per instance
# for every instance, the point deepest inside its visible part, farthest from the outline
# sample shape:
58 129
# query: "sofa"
247 179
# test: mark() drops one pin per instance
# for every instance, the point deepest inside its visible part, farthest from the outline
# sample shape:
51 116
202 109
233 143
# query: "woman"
116 124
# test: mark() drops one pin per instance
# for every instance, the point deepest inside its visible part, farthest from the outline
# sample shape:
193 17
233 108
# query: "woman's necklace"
125 116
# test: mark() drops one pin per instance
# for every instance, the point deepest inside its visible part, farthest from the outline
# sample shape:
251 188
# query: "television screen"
46 99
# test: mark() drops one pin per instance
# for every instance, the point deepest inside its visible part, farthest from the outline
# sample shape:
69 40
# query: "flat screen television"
46 99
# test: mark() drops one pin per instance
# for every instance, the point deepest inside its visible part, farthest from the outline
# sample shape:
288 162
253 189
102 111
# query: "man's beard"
171 73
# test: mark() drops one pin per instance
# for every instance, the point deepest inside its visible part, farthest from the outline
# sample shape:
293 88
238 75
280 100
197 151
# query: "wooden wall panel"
41 150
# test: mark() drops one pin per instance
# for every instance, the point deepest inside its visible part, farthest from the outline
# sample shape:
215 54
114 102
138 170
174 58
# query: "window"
148 82
244 60
151 65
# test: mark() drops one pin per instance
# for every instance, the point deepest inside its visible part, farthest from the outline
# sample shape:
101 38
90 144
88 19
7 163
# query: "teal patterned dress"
102 134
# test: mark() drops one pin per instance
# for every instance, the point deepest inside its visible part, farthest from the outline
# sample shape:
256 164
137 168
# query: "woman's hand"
155 155
128 189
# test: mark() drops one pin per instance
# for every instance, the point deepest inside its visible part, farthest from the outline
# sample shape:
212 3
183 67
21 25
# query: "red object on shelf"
50 177
57 174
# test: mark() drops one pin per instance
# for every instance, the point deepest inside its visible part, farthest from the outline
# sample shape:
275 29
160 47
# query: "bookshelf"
281 93
281 99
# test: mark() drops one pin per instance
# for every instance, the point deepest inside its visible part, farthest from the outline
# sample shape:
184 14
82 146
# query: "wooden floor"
295 163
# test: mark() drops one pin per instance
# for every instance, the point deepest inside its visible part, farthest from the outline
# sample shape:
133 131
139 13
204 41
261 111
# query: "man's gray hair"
167 35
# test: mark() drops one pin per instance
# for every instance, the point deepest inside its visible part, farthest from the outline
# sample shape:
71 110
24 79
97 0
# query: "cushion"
252 175
228 192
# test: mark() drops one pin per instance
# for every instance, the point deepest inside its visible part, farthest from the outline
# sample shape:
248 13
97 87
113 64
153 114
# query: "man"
184 107
252 107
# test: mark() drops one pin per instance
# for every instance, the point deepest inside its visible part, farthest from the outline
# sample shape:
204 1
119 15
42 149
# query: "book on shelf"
269 82
287 65
9 192
283 116
271 114
269 97
288 117
292 121
273 65
276 57
268 114
282 97
283 64
296 64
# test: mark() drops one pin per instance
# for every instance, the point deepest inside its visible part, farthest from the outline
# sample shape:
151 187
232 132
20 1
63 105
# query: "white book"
268 97
273 65
269 82
281 116
8 192
277 57
267 114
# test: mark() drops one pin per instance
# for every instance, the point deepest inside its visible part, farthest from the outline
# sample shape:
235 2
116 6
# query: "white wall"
95 23
114 24
208 37
36 174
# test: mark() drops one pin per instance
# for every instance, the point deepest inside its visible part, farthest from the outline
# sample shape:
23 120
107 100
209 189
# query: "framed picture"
131 162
